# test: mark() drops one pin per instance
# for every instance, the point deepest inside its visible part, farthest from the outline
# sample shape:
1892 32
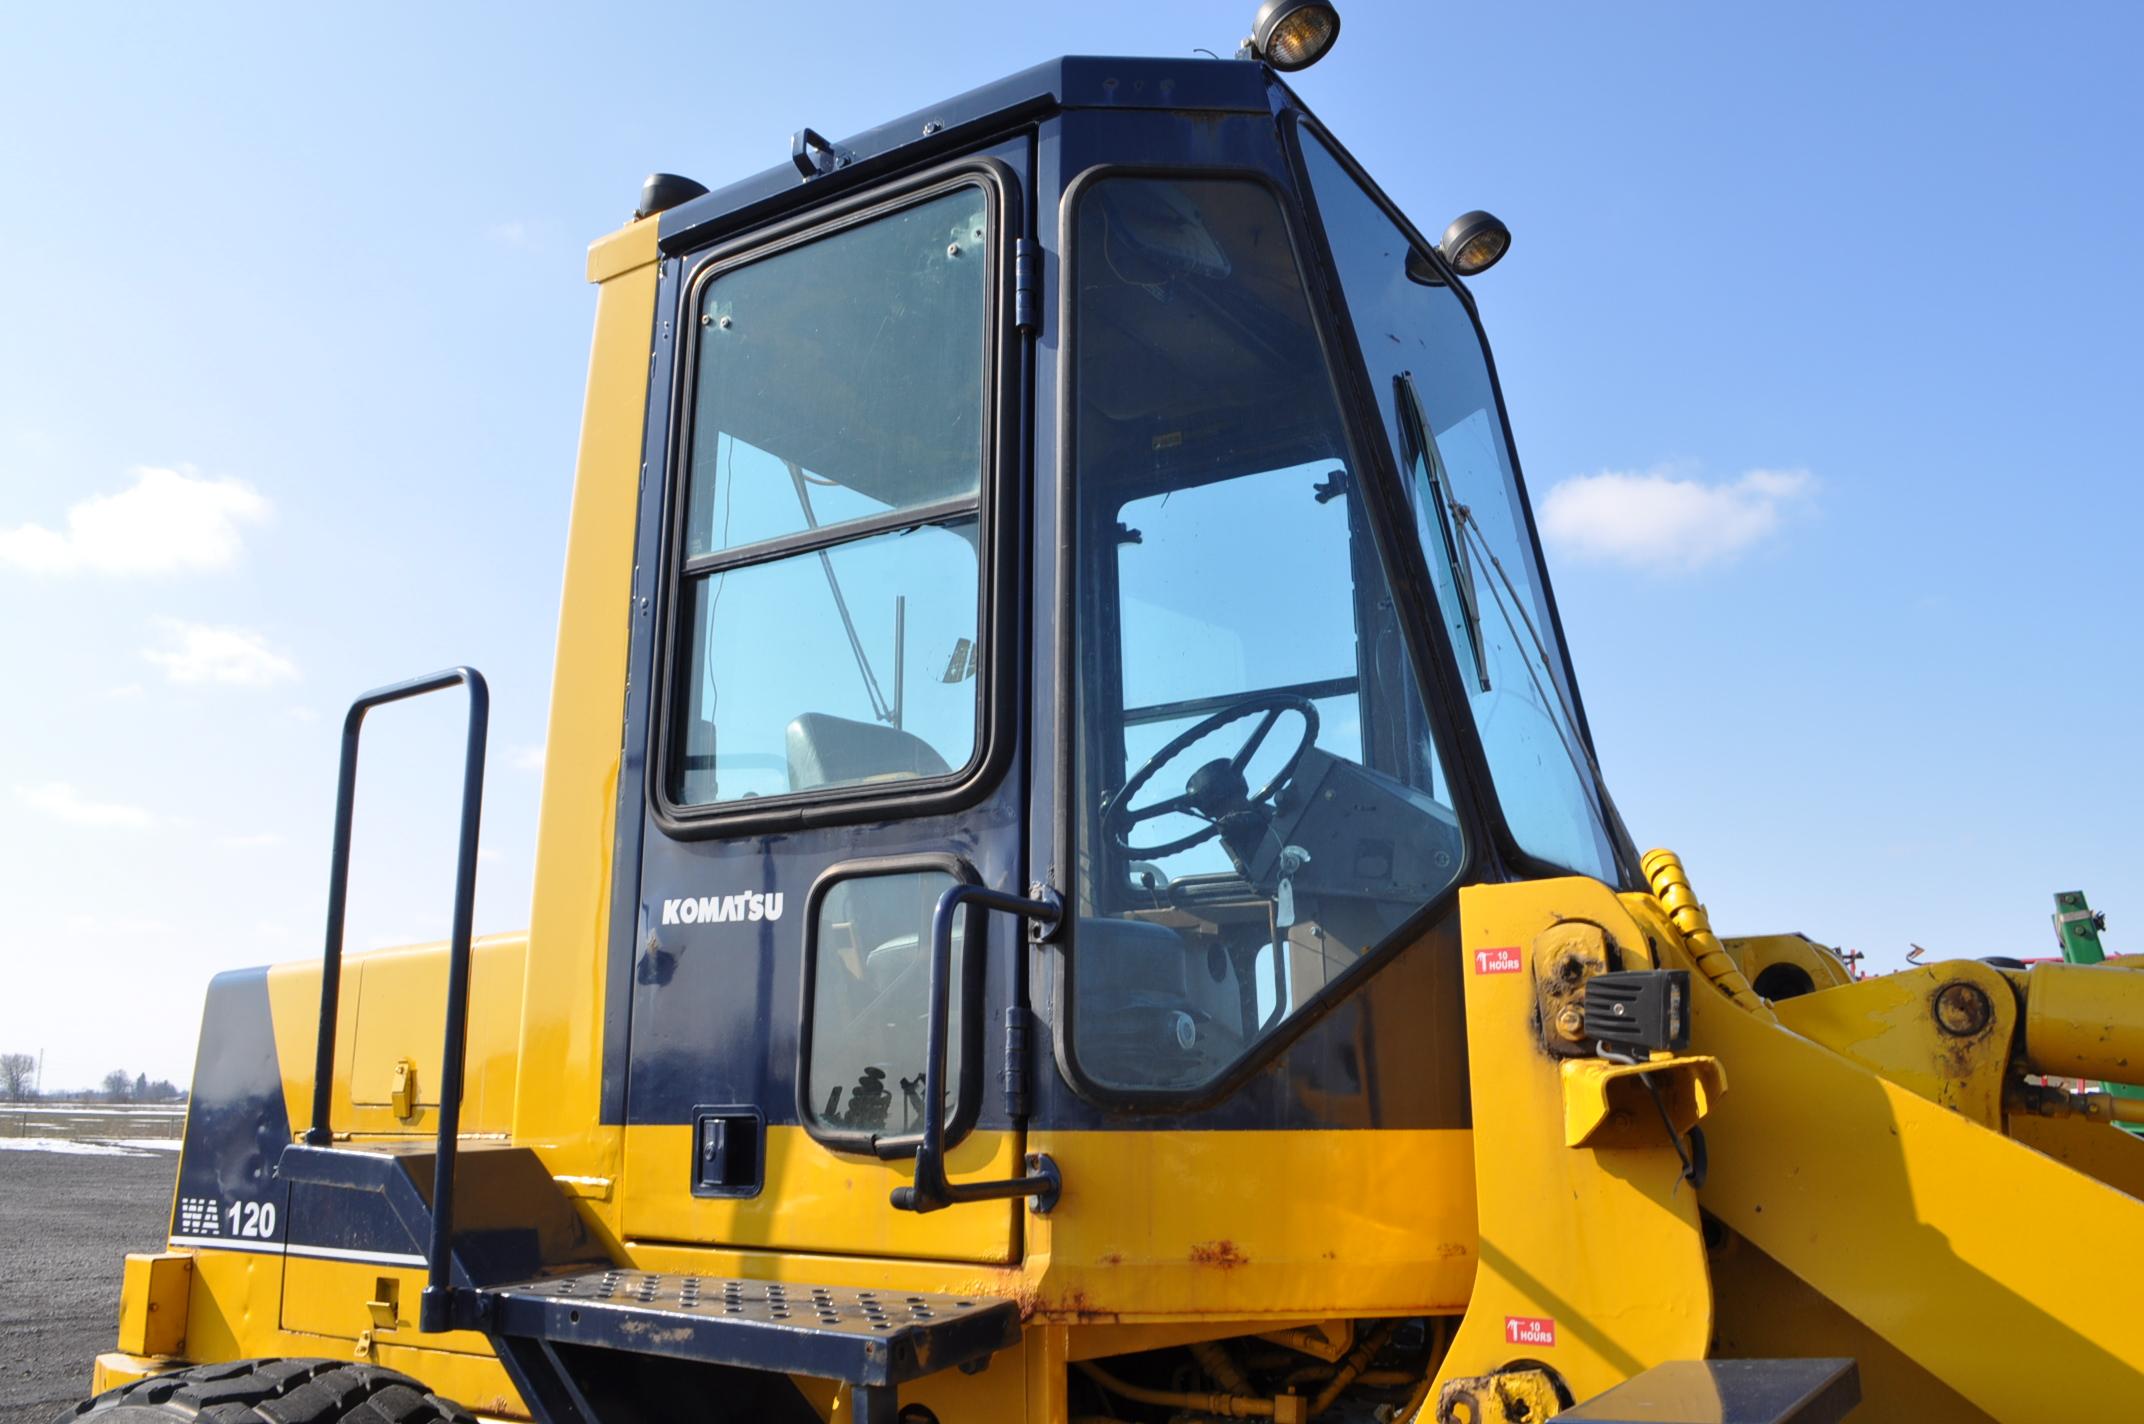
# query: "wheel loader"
1073 884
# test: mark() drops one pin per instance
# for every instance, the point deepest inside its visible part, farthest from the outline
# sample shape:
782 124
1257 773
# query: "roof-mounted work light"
1292 34
1475 242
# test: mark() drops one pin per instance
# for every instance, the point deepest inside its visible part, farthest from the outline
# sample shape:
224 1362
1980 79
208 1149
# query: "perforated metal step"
863 1337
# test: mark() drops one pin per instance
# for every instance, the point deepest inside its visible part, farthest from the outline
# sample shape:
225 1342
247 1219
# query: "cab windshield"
1427 367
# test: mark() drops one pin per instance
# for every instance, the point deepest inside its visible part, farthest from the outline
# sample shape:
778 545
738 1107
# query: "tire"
271 1392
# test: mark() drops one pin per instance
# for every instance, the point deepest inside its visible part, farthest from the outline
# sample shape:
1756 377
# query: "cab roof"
1069 82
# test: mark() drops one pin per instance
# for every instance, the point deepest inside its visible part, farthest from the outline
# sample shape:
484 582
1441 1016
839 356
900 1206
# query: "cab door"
830 738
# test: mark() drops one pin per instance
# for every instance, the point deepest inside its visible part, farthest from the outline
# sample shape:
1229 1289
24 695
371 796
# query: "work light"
1475 242
1292 34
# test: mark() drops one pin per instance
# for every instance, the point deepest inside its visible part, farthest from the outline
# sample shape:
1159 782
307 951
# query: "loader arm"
1865 1151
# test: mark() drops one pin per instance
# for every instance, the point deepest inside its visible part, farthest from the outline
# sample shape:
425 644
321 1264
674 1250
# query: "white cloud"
62 802
165 521
262 841
1658 521
486 855
126 693
198 652
528 758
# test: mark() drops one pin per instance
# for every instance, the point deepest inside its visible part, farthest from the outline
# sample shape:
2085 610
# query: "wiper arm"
879 707
1414 428
1574 743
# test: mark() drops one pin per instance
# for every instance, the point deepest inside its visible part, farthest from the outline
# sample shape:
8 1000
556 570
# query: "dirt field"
66 1219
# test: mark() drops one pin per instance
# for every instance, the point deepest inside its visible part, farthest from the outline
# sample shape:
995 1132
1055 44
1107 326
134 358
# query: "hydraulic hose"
1358 1360
1671 887
1213 1357
1228 1406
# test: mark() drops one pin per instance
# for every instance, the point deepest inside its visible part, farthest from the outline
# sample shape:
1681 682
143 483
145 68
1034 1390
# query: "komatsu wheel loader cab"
1073 884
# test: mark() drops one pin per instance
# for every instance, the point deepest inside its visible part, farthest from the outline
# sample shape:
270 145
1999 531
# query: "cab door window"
831 542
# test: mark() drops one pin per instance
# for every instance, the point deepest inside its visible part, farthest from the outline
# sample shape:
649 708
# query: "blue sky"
1819 335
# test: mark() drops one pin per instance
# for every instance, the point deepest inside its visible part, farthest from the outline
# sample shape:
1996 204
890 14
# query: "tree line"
18 1084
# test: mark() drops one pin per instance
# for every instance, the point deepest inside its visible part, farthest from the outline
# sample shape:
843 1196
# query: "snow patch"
63 1145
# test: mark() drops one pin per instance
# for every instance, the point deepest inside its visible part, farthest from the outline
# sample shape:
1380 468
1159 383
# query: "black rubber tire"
272 1392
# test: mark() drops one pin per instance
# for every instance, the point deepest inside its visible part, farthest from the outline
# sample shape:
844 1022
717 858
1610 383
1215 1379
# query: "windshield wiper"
880 708
1574 744
1414 428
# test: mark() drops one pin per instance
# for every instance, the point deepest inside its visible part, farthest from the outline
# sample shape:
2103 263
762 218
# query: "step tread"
875 1336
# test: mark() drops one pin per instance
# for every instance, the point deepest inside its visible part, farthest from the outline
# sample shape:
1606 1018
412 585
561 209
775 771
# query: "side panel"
558 1107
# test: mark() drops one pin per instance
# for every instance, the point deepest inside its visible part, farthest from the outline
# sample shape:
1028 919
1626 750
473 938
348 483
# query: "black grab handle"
436 1311
932 1191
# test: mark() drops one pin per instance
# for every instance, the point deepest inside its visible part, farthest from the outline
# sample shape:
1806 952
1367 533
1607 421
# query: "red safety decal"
1526 1330
1497 961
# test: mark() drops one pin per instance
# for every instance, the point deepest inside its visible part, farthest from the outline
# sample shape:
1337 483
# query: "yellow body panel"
234 1313
1298 1224
556 1108
393 1007
401 1011
814 1199
153 1294
336 1298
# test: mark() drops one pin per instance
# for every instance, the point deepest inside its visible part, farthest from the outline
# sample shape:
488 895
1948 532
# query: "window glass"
871 1003
843 378
838 409
849 666
1426 364
1261 803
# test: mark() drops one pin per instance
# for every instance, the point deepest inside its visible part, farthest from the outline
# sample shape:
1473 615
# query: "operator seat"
833 751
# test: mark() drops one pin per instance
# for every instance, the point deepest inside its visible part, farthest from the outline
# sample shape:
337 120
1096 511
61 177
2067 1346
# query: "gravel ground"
66 1223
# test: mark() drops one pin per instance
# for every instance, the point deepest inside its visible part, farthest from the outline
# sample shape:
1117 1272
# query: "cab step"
871 1340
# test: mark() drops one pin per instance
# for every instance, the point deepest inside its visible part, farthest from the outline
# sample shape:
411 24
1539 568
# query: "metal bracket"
402 1091
814 156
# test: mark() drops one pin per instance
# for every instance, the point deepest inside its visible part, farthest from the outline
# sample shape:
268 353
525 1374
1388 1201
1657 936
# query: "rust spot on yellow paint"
1222 1254
1113 1258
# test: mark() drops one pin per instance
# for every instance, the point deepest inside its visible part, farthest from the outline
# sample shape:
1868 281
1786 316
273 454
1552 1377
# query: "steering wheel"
1215 789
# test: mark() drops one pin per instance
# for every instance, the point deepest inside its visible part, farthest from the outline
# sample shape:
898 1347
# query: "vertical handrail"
932 1191
436 1310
